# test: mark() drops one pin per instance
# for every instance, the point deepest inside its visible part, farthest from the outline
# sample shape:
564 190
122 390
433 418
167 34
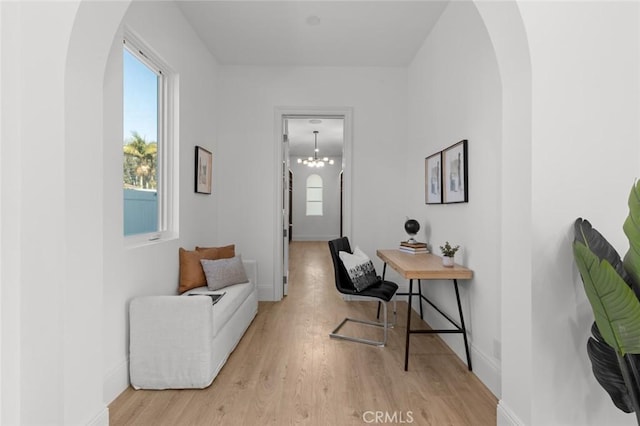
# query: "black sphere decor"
412 227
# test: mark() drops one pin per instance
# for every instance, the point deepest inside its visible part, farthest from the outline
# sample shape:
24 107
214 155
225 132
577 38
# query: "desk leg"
464 329
406 349
420 298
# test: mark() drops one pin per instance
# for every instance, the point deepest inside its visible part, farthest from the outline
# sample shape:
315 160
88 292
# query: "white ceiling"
313 33
302 142
355 33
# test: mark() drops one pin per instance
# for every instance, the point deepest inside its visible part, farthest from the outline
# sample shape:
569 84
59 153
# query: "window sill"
143 240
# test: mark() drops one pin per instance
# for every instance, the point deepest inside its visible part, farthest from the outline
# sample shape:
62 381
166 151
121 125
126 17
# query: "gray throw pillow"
224 272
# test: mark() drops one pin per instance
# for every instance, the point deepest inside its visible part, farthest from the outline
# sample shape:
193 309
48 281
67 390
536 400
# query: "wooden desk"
426 267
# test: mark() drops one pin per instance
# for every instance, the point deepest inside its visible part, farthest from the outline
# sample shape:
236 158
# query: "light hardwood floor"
286 370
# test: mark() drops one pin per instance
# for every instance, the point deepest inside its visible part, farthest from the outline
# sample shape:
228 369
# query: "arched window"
314 195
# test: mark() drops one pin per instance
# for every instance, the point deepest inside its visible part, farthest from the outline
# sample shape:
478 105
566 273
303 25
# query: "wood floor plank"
287 371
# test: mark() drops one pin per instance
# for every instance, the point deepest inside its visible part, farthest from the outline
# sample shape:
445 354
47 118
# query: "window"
314 195
147 144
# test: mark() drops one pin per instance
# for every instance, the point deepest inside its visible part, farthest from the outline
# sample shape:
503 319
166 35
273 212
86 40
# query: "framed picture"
455 184
204 165
433 179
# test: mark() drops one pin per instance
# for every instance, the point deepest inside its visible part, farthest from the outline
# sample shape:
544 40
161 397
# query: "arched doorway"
507 33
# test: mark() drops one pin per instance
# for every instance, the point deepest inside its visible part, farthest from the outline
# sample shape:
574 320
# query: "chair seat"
383 290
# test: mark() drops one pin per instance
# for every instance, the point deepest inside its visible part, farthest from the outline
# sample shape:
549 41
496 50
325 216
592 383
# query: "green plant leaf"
606 369
590 237
604 364
615 307
631 229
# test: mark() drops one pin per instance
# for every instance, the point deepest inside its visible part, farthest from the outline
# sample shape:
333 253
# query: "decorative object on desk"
413 248
203 167
433 179
454 174
611 286
412 226
448 253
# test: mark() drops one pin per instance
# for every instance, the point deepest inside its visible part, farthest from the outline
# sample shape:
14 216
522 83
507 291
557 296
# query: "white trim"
115 381
314 237
505 416
487 370
280 113
265 293
1 204
101 419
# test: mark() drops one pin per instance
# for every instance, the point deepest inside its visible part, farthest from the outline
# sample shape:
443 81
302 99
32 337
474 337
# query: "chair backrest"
343 282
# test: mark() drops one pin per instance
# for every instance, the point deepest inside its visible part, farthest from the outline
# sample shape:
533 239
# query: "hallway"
286 369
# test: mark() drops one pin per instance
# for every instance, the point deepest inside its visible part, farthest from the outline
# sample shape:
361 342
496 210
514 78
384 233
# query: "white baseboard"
506 417
314 237
487 371
116 381
265 293
101 419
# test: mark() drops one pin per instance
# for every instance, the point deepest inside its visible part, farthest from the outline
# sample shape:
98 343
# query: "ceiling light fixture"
315 161
313 21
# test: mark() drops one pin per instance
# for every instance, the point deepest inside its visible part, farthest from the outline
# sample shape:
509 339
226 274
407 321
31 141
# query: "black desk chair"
382 291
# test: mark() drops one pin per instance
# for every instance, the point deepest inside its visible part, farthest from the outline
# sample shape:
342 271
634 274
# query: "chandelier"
315 161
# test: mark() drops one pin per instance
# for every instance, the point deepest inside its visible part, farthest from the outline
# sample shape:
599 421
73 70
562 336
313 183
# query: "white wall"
586 94
10 251
455 94
66 278
585 90
506 30
246 165
153 269
316 228
52 249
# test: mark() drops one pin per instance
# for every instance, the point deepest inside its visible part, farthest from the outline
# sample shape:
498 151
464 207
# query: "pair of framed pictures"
446 177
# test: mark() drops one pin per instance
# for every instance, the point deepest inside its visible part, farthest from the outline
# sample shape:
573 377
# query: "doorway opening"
314 203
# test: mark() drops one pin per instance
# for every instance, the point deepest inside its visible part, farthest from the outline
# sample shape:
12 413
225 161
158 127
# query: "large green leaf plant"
613 289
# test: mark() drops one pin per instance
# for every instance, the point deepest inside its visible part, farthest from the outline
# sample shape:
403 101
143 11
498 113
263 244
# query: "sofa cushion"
222 273
225 307
191 272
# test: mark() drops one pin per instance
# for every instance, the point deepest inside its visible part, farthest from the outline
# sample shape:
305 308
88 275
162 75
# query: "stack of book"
413 248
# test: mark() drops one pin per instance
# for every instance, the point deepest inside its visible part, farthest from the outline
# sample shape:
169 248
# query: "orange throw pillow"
191 272
215 253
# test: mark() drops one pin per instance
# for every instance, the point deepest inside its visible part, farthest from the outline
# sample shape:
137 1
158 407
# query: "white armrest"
166 331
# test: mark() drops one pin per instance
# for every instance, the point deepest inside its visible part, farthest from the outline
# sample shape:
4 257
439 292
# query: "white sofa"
179 342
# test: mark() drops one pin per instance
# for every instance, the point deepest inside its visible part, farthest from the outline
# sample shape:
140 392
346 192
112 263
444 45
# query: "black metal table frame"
461 329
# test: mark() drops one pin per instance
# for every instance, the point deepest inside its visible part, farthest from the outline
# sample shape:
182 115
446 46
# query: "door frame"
301 112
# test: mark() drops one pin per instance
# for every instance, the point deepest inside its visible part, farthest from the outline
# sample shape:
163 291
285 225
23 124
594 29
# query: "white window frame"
314 202
167 183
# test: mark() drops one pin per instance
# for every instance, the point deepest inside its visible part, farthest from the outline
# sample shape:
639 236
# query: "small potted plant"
448 253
